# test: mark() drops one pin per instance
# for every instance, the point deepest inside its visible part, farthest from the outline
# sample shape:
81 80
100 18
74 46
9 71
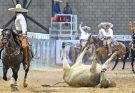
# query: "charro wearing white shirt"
21 30
20 23
84 34
106 35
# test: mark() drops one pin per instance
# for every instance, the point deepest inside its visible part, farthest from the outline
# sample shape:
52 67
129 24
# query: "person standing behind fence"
84 35
56 7
67 10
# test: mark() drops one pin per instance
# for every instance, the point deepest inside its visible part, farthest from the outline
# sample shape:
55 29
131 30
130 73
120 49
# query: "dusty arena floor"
125 81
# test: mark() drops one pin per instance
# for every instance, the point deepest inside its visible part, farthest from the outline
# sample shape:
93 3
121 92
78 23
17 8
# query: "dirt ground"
125 81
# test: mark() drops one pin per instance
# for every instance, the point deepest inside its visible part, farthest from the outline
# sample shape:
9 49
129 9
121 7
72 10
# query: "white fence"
123 37
47 36
38 35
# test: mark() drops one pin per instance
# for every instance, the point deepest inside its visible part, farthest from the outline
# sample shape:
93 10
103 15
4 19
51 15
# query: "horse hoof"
98 86
5 78
9 78
133 71
25 85
14 87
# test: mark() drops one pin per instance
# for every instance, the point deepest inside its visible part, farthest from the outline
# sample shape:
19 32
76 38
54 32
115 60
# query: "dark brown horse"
131 52
12 57
103 51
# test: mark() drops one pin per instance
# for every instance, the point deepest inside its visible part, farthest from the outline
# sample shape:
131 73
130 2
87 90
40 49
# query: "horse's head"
6 35
92 40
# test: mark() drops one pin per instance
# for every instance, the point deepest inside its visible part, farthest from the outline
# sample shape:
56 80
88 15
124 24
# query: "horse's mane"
95 39
13 34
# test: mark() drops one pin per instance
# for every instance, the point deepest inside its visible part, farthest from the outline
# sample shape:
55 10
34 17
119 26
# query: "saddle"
17 39
114 46
114 43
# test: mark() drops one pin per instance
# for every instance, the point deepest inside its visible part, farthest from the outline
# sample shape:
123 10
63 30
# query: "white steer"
81 75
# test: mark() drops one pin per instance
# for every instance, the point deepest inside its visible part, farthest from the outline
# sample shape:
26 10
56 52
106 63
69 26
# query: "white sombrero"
58 1
103 24
18 8
86 27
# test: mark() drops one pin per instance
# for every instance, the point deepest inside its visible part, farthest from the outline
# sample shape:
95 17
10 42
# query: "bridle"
8 50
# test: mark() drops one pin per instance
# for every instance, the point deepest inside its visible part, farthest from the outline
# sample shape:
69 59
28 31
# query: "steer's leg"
104 81
64 60
80 57
94 64
106 64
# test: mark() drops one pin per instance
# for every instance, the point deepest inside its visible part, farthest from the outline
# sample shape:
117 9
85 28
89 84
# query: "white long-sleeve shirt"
103 34
84 35
20 23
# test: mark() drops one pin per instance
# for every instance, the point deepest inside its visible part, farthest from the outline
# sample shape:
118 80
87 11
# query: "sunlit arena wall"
91 12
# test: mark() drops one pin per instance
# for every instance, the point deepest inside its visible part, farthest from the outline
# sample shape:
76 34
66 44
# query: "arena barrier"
47 52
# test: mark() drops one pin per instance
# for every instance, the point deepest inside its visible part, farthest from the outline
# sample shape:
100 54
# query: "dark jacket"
67 9
56 8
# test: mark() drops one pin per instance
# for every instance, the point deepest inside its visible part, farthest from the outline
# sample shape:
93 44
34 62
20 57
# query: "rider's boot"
109 49
25 49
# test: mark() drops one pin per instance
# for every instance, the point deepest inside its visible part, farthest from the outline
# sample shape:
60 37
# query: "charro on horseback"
21 31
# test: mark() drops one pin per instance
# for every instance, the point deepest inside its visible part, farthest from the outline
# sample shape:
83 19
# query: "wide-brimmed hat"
104 24
86 27
18 8
58 1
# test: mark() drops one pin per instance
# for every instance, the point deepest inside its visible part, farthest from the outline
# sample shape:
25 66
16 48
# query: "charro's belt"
19 32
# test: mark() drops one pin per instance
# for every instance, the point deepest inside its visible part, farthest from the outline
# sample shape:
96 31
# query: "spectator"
56 7
67 9
84 35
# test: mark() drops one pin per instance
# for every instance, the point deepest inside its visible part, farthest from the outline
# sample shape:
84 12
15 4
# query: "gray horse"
75 51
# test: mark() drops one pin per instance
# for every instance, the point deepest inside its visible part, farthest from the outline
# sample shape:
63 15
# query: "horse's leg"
5 73
132 60
123 60
116 62
25 78
14 85
126 54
